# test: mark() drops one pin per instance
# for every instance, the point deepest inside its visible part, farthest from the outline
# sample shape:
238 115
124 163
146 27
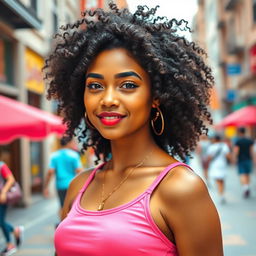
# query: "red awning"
243 117
18 119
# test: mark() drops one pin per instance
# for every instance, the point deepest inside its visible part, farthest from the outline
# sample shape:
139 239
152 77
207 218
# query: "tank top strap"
90 178
164 173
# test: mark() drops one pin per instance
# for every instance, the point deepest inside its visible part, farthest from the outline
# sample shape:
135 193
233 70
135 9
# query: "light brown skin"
180 205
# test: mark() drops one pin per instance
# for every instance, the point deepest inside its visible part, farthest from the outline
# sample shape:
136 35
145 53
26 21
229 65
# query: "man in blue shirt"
243 153
64 164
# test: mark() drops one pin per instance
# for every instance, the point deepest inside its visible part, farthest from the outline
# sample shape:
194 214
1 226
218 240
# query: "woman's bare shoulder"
190 212
180 183
78 182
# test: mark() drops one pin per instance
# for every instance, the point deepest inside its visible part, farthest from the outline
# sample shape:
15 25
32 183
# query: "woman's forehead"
115 61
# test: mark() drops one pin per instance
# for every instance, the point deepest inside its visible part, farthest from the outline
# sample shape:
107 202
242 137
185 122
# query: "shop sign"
253 59
231 95
214 99
234 69
230 132
34 76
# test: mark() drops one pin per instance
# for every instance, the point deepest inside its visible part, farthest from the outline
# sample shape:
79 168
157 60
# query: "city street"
39 221
238 217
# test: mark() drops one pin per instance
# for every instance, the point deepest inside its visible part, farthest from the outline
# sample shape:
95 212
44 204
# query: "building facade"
104 4
26 29
227 29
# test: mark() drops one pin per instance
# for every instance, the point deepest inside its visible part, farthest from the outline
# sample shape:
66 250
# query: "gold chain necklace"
103 200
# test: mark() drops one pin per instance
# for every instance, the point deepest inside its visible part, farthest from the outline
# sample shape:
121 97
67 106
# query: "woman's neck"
132 151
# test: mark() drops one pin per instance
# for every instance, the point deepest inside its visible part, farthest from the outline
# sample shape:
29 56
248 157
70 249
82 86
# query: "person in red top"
7 177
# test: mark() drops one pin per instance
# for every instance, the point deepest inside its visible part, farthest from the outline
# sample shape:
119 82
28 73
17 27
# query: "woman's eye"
94 86
129 85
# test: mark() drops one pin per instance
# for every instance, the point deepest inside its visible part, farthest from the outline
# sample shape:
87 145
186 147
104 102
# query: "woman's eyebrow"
119 75
94 75
128 73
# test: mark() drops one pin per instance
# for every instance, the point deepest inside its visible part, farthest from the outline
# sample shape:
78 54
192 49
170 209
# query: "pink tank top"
126 230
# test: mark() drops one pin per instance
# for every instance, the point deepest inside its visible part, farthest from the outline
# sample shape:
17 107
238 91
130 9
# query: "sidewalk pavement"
37 212
238 215
39 221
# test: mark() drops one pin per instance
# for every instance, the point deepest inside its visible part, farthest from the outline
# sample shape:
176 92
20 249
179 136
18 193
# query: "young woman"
143 92
7 178
218 154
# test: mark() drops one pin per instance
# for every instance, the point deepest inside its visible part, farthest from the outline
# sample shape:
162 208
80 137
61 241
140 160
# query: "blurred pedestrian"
143 91
201 150
8 180
65 164
254 152
218 154
243 157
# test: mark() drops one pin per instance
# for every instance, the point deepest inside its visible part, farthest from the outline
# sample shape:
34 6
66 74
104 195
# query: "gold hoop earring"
158 113
87 121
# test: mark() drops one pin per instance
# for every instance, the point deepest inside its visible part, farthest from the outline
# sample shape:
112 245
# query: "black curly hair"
181 80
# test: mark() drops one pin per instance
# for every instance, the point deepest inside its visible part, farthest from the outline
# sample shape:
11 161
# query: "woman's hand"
3 197
7 186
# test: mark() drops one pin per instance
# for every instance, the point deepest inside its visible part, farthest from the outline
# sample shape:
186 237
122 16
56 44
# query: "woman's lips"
110 118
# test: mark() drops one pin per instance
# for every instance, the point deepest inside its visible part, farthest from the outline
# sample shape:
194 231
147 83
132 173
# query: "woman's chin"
110 135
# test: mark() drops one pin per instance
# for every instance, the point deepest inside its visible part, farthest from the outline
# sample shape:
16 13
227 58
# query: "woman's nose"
110 98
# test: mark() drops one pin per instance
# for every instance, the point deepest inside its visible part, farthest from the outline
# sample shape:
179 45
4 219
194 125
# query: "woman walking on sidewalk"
143 92
218 155
8 180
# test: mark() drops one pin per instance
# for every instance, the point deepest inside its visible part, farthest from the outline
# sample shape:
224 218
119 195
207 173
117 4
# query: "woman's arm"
8 184
235 154
191 214
229 157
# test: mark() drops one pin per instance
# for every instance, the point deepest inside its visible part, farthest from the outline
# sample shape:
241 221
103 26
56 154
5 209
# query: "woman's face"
117 95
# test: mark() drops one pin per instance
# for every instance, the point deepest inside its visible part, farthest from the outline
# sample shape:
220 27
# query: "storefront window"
10 154
36 166
6 61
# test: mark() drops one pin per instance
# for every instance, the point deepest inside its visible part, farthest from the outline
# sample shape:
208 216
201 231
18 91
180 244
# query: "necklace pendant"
101 206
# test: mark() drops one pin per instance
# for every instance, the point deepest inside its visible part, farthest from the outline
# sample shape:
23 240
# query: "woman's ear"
155 103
